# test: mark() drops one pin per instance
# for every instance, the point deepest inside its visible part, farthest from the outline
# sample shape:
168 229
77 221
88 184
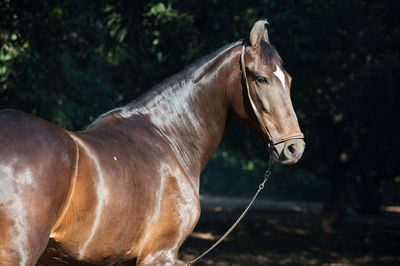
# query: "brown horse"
127 187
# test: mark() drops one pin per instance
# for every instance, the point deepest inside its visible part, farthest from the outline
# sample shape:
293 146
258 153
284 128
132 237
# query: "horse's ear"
259 32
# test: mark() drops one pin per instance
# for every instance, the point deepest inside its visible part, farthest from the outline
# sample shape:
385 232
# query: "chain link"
260 187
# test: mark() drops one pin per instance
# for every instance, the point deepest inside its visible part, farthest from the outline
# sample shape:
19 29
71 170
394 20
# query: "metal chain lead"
260 187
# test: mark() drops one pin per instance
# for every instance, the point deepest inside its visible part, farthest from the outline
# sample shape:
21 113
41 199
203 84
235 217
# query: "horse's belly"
107 231
103 225
106 216
56 255
103 240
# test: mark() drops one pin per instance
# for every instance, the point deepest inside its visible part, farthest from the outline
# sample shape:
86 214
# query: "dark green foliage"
69 61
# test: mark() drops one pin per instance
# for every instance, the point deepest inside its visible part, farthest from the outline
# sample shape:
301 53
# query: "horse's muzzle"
288 152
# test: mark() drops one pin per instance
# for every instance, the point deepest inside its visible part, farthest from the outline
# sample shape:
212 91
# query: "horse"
126 188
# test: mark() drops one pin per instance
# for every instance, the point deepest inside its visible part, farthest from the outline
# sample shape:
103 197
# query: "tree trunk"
370 195
334 209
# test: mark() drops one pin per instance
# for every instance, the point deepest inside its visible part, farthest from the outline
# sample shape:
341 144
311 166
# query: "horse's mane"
269 56
184 75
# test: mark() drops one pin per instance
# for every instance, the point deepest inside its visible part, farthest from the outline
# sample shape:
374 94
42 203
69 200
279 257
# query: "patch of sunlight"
272 221
263 259
307 260
286 261
217 209
391 209
249 166
334 254
204 236
3 70
336 264
297 231
296 208
366 260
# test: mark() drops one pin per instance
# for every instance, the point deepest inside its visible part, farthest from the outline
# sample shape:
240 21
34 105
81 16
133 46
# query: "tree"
72 60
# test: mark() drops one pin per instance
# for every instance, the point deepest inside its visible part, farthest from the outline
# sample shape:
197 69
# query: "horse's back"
27 141
21 132
36 163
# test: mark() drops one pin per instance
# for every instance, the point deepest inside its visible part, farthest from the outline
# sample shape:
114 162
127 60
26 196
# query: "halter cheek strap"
271 142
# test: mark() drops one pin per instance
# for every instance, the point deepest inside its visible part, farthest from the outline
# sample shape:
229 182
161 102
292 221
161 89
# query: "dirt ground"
287 233
283 233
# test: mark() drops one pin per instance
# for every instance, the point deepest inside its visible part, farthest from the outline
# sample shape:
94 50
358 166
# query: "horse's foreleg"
24 231
174 219
159 258
29 204
161 243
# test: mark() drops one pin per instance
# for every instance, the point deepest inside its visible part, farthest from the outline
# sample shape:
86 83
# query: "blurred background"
71 60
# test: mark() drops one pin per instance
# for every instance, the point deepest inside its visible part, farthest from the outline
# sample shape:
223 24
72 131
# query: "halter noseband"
271 142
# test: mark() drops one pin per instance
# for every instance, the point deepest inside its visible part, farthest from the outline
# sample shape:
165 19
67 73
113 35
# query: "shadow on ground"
291 236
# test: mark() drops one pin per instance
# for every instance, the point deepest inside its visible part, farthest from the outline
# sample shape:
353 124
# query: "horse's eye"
262 80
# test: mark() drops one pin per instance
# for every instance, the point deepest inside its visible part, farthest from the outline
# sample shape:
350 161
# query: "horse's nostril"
291 152
292 148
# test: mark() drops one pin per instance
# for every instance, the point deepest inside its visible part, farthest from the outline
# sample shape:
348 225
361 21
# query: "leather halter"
271 142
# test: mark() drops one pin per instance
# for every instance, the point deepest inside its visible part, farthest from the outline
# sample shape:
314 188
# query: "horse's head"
270 109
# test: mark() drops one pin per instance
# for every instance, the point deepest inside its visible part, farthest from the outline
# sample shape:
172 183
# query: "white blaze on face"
280 75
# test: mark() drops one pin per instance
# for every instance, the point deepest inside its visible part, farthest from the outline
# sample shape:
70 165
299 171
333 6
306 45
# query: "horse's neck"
192 112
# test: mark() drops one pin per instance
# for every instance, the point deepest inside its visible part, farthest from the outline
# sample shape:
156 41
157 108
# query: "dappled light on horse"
127 187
